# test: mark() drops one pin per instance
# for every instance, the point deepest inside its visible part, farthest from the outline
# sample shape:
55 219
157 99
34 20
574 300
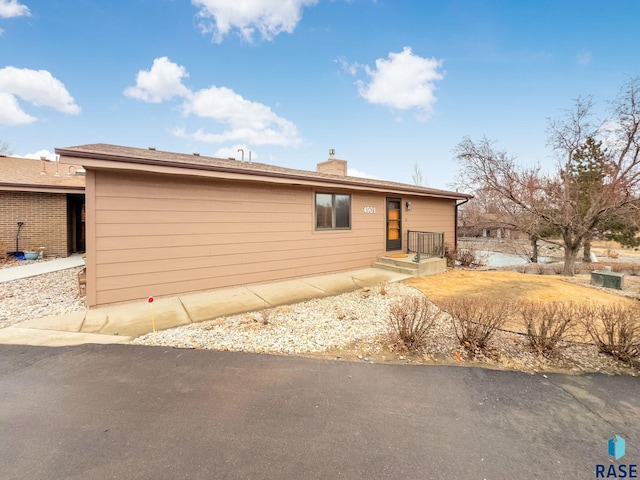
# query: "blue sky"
386 83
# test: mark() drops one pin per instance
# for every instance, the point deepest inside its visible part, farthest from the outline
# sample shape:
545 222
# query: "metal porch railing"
425 244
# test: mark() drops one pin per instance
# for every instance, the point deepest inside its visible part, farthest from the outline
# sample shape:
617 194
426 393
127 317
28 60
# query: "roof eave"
26 187
346 181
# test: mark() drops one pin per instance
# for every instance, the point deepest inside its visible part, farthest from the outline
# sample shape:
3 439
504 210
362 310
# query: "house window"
333 211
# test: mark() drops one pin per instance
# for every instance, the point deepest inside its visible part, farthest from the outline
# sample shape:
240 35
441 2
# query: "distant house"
48 199
487 225
161 223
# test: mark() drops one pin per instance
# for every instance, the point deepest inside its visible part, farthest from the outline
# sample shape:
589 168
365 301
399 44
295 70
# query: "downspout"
455 242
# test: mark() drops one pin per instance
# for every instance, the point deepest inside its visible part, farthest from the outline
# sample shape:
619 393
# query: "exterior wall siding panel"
430 215
162 235
213 282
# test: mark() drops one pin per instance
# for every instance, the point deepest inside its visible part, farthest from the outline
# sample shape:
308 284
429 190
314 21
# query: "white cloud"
232 152
353 172
11 113
37 87
41 153
13 8
350 68
245 121
162 82
249 121
269 17
403 81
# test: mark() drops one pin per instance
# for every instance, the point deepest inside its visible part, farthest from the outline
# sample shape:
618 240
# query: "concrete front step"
406 270
398 262
427 266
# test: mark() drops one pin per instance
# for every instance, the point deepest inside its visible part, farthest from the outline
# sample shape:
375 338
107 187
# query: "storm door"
394 224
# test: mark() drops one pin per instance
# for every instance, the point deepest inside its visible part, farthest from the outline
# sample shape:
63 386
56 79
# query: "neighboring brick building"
48 198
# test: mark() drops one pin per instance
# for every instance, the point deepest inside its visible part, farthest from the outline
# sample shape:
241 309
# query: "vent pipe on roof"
57 174
43 161
249 156
241 151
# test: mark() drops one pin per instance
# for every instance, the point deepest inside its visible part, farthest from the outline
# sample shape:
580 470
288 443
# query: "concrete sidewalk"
33 269
122 323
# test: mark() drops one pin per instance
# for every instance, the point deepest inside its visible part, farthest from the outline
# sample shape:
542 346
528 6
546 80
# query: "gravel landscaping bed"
40 296
351 326
354 326
304 328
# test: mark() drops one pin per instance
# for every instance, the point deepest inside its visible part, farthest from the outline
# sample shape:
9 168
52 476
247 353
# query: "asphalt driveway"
121 411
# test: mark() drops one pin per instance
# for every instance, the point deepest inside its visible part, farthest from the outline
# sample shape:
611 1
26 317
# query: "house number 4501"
369 209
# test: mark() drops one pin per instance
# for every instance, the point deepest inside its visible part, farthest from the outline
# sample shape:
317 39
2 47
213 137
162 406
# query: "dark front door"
394 224
76 223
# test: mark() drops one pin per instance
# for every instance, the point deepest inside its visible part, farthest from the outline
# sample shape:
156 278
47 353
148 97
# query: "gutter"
32 187
455 243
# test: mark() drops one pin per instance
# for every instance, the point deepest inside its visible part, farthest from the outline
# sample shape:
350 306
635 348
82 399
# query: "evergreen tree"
588 171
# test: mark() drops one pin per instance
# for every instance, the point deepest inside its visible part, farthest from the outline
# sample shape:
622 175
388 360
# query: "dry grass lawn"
600 247
513 287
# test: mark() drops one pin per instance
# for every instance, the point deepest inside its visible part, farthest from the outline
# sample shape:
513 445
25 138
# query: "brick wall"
45 221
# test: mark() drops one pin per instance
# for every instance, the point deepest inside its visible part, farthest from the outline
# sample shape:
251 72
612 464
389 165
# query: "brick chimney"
333 166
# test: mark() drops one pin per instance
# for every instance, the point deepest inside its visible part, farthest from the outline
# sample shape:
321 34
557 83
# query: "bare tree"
418 178
5 148
547 205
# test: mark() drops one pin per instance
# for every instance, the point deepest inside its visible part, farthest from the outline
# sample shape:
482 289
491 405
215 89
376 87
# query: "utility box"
608 279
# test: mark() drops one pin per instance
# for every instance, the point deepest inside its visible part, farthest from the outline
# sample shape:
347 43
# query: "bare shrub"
547 324
612 254
540 269
265 315
615 329
558 268
383 288
629 268
587 267
476 319
521 268
450 255
410 320
469 257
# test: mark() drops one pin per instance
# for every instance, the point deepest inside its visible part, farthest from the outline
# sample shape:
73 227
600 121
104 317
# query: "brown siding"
45 218
155 234
163 235
90 205
429 215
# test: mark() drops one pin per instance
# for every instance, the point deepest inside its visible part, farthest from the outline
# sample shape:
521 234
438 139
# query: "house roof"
25 174
114 156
